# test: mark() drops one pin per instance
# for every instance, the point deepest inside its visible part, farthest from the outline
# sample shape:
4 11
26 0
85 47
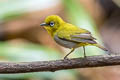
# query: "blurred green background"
23 39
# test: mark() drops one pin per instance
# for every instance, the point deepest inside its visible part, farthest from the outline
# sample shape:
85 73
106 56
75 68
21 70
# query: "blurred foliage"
14 8
117 2
10 9
27 52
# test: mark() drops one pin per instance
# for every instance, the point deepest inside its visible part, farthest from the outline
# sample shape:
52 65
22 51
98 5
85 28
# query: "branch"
39 66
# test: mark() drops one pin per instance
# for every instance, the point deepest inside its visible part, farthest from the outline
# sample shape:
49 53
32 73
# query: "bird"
69 35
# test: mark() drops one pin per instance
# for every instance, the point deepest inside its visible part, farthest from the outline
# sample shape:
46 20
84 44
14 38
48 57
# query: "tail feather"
101 47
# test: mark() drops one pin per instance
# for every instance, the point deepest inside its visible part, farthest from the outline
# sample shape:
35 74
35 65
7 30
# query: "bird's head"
52 23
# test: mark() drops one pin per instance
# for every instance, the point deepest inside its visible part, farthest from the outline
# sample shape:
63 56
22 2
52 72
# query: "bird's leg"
69 53
84 51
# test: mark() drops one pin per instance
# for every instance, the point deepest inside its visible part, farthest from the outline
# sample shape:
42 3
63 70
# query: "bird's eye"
51 23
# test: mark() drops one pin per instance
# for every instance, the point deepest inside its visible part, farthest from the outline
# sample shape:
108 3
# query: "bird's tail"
101 47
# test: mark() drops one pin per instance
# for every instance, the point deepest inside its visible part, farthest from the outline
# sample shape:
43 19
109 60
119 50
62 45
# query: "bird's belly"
65 43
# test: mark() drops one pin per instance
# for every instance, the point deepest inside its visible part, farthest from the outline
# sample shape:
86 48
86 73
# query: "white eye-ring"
51 23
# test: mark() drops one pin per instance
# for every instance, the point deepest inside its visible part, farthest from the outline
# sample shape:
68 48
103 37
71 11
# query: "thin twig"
40 66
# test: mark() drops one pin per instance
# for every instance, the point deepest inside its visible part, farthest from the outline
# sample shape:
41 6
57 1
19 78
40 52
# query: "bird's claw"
66 58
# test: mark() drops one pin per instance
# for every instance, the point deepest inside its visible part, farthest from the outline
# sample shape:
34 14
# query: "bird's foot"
66 58
85 57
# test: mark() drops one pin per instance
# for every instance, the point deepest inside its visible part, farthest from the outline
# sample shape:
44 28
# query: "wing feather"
77 37
83 36
83 40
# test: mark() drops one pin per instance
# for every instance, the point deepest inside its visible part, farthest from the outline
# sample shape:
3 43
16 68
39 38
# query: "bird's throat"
50 31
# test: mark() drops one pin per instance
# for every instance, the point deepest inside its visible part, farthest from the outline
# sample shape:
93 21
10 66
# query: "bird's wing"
77 36
84 37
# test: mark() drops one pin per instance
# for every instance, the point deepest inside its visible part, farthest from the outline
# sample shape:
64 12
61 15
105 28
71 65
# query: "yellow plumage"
68 35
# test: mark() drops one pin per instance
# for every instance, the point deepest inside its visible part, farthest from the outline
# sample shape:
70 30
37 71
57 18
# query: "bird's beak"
43 24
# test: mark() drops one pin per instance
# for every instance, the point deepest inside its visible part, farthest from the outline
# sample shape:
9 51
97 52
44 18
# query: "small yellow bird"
68 35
